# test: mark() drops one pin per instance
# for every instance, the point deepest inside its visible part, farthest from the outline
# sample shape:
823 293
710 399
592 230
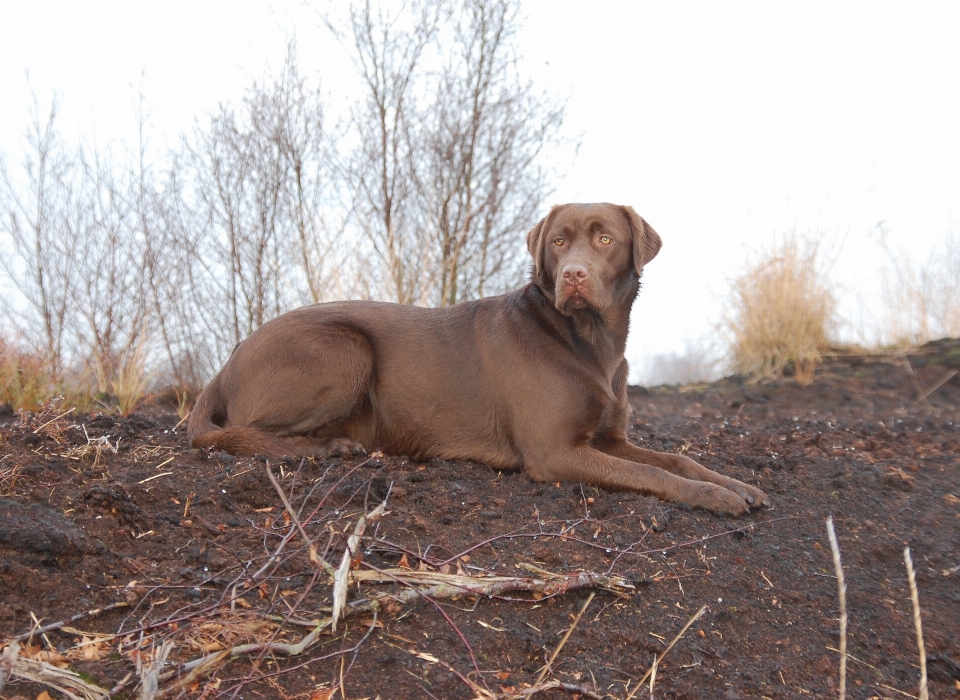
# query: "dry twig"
311 546
842 589
341 576
563 641
656 661
915 598
150 672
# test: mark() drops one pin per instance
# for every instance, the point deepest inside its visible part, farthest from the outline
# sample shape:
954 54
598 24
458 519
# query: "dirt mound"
117 539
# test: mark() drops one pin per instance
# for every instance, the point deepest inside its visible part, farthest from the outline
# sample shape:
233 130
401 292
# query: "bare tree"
41 216
446 176
248 190
112 309
79 260
483 184
381 172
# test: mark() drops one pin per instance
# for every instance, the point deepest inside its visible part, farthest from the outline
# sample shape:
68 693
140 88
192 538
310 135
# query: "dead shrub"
781 311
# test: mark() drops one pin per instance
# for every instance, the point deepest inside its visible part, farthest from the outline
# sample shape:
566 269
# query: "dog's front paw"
754 497
717 499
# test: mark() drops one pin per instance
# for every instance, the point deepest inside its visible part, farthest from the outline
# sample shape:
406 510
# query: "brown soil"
183 541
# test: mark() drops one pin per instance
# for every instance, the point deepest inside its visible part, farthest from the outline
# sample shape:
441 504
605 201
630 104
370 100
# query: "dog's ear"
646 241
536 243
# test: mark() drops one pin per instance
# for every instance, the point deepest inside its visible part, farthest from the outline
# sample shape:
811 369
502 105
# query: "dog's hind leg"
300 388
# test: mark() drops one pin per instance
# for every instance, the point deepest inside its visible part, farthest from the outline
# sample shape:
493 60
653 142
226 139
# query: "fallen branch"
341 576
550 685
53 626
60 679
440 585
149 672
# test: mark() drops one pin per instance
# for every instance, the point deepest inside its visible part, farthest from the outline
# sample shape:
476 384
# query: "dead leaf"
323 694
52 658
951 499
404 562
44 695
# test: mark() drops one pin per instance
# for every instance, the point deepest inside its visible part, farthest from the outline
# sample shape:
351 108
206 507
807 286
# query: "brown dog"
534 379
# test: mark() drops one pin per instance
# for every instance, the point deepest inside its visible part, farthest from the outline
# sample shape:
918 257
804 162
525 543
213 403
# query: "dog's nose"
574 273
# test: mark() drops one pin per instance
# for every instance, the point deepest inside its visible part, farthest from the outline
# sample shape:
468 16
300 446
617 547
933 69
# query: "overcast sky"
724 124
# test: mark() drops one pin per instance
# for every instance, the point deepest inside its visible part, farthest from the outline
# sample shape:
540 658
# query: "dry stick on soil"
341 575
563 641
933 387
653 675
150 672
311 547
842 589
63 623
60 679
450 585
551 685
915 598
439 586
676 639
916 383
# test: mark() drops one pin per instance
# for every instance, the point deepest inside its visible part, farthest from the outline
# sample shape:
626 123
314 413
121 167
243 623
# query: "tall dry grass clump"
781 312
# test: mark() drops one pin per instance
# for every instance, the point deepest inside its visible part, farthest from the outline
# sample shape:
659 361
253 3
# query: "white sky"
724 124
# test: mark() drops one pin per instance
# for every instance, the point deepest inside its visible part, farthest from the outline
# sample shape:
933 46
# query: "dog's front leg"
590 466
683 466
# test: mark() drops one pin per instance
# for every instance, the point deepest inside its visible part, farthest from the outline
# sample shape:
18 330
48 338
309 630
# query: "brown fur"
534 379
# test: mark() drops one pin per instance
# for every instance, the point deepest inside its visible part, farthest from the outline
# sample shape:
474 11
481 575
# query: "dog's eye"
558 241
606 240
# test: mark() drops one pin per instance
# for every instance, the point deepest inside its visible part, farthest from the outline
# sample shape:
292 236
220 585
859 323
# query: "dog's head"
585 255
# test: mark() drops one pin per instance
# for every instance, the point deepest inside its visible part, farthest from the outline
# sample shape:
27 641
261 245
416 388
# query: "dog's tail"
204 432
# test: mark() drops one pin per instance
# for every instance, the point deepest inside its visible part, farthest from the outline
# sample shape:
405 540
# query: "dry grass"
781 312
131 380
28 382
921 301
26 379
